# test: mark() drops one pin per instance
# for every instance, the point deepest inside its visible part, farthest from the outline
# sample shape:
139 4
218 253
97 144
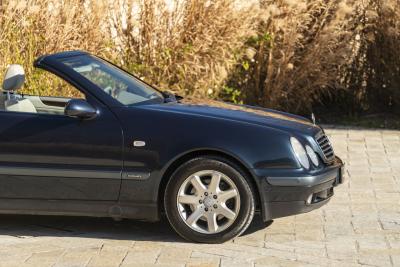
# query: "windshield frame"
59 61
136 78
130 74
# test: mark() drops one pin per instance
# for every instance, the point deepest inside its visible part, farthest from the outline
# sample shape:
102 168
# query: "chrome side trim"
305 180
55 172
144 211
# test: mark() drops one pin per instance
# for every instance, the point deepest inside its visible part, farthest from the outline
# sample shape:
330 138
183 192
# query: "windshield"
125 88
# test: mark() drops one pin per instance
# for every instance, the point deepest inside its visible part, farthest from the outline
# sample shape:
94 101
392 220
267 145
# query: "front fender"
169 136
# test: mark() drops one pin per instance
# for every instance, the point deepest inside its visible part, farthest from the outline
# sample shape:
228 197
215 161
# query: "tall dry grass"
186 46
298 52
308 50
372 80
29 29
285 54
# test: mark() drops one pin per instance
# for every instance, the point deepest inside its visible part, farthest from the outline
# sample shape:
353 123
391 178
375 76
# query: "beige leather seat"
13 81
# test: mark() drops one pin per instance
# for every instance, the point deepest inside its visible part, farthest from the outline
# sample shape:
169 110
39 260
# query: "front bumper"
289 195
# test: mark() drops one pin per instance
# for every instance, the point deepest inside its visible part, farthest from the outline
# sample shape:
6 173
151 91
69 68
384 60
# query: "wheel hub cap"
209 202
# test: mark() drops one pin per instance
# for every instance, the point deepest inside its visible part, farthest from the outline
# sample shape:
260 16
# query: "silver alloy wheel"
208 201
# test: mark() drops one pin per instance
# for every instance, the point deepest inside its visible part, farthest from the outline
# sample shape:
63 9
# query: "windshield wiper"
171 97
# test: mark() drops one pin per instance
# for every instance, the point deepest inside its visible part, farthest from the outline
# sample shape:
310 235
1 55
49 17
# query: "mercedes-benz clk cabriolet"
123 149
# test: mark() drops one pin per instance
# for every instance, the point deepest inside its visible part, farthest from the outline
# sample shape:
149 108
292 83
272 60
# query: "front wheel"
209 200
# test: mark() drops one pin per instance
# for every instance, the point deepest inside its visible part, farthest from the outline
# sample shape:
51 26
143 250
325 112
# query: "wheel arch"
179 160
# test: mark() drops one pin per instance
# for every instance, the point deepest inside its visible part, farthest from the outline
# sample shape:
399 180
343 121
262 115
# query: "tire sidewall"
208 163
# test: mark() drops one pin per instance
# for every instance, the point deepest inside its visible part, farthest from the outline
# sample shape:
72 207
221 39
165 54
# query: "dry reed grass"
29 29
308 50
299 50
284 54
186 46
372 80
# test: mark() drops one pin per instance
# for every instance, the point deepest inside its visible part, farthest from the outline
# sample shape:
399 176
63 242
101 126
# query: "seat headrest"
14 78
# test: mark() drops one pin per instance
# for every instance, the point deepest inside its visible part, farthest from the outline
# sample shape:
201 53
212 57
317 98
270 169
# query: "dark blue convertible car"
123 149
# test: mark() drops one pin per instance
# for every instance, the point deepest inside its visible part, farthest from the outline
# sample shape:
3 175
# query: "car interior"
12 100
111 80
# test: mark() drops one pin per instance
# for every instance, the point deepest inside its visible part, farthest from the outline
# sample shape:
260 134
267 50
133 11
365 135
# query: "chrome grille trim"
325 145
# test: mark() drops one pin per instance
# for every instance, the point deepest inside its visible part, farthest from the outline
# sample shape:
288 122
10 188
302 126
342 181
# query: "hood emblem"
138 143
313 118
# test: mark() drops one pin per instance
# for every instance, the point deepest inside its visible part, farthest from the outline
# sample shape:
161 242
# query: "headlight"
300 152
313 156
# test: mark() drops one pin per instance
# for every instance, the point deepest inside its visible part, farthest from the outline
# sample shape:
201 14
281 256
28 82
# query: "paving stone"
342 248
275 261
76 257
154 265
235 263
374 259
46 258
137 257
204 262
107 259
173 255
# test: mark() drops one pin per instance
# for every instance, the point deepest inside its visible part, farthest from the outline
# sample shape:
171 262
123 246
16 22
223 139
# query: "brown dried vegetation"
285 54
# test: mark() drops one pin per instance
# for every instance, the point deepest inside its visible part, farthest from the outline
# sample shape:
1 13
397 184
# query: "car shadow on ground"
26 226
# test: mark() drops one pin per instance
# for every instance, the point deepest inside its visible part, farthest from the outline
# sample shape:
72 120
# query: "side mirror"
80 108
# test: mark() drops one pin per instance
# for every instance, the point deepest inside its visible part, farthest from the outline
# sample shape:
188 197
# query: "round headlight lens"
313 156
300 152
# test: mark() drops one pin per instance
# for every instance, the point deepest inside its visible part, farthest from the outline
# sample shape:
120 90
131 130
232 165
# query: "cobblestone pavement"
360 226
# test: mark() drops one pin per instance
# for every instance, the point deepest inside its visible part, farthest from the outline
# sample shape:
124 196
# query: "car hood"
242 113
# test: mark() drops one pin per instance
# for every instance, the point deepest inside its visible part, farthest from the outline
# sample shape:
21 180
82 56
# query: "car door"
56 157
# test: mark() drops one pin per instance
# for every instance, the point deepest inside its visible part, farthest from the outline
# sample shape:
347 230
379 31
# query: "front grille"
326 147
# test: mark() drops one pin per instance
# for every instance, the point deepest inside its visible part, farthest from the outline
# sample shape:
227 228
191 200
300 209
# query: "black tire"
239 178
